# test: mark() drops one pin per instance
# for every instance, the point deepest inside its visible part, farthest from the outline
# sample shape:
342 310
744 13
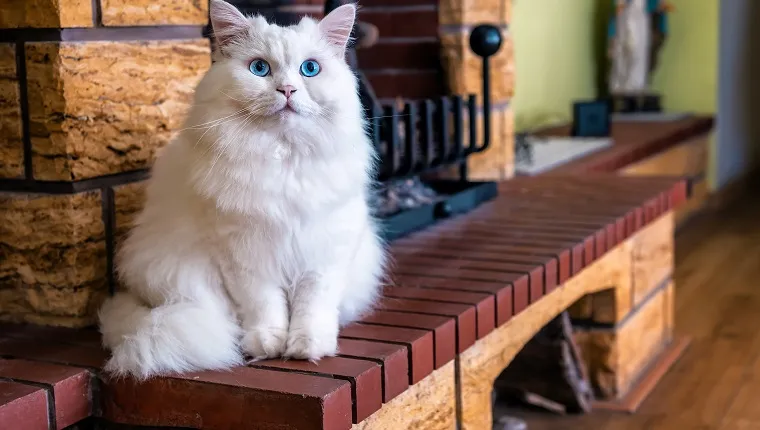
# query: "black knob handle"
485 40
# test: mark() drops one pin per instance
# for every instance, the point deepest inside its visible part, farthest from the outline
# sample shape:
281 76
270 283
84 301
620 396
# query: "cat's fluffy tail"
177 337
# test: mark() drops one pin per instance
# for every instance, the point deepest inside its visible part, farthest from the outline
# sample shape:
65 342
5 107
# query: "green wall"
559 46
688 70
554 58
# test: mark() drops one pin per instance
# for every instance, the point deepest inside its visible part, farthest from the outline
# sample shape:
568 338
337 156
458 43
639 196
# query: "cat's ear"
337 25
226 21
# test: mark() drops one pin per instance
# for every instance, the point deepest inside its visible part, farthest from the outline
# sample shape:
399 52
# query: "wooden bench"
464 297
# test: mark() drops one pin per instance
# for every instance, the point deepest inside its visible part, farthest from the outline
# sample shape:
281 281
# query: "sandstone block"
52 258
154 12
497 161
45 13
11 145
652 257
469 12
464 69
99 108
128 201
617 358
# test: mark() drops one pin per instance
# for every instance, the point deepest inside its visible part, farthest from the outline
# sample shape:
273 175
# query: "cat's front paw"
312 344
265 342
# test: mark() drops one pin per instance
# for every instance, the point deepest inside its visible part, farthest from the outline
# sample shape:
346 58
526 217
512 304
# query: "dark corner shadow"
750 76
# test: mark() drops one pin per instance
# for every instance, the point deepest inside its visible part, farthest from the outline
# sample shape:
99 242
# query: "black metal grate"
425 135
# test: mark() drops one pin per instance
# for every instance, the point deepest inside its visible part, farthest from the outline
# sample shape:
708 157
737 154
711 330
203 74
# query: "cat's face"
283 77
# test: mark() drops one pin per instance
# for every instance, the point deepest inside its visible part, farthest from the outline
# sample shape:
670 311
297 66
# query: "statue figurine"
636 33
659 10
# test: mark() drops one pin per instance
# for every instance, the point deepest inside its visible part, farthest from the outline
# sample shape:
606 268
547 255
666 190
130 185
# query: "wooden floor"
716 384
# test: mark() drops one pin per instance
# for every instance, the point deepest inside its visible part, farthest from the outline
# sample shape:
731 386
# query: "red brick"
444 330
409 54
418 342
23 406
495 240
465 315
74 355
485 304
535 273
502 291
550 264
365 378
71 386
84 337
409 84
393 358
418 22
459 273
232 399
495 243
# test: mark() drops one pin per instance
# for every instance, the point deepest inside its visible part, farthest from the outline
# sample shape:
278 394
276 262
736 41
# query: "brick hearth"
469 291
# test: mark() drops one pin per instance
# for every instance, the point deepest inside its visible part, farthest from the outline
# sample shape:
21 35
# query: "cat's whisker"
237 112
225 120
209 128
247 113
216 121
387 116
224 143
233 98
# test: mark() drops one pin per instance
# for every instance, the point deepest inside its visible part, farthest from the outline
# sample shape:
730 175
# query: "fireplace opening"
547 376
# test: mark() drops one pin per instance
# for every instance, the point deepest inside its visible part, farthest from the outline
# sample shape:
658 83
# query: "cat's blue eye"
259 67
310 68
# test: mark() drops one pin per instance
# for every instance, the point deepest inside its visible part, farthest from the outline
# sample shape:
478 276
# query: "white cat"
256 236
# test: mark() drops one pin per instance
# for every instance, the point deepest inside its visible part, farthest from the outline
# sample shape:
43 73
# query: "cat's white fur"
256 236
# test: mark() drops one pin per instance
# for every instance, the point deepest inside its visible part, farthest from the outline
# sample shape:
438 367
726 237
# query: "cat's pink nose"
287 90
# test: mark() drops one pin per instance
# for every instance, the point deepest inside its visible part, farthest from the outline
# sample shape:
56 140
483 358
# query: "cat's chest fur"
290 222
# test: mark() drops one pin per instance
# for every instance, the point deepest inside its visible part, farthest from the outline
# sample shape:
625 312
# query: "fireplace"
77 137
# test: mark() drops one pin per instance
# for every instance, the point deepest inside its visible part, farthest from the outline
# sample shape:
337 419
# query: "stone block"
128 201
617 357
52 258
46 13
464 69
469 12
154 12
100 108
653 257
11 144
497 161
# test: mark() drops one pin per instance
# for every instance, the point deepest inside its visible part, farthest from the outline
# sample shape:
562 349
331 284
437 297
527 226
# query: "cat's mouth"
287 109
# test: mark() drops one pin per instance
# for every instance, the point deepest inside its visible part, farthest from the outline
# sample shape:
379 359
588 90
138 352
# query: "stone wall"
77 136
